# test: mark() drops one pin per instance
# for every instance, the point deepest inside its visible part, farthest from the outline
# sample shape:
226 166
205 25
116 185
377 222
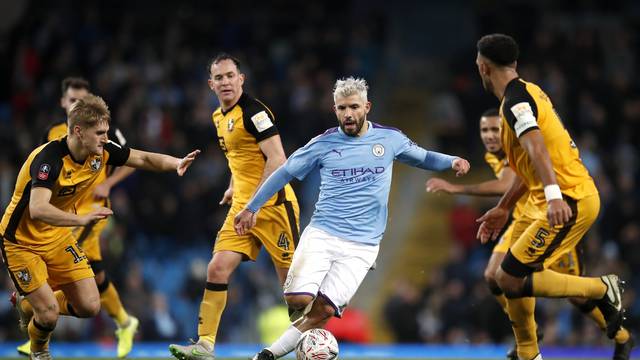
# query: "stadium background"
148 60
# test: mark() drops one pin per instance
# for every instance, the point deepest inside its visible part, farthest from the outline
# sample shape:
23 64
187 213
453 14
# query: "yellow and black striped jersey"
526 107
498 162
52 166
239 130
89 202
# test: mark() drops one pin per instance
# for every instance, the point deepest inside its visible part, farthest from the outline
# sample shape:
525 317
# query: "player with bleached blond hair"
341 242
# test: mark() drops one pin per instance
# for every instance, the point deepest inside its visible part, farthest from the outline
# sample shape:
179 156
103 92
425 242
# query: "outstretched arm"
245 219
494 187
160 162
411 154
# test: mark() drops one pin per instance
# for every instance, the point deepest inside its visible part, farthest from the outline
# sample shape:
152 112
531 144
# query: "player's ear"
210 82
241 76
77 130
367 107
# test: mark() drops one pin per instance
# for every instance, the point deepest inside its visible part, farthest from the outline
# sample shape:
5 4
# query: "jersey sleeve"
118 155
412 154
46 166
259 121
303 160
407 151
520 110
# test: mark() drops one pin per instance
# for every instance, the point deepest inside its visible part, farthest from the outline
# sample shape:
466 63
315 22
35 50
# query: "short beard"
359 125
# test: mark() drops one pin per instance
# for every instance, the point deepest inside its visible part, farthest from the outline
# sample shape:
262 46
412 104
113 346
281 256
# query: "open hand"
186 161
97 214
435 185
491 223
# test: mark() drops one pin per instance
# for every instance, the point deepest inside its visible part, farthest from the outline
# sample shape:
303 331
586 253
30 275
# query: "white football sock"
286 342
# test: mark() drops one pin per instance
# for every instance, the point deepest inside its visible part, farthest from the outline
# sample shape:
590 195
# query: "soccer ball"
317 344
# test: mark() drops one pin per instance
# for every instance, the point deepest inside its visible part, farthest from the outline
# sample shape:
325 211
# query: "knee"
511 286
322 313
298 302
88 308
219 271
47 316
490 279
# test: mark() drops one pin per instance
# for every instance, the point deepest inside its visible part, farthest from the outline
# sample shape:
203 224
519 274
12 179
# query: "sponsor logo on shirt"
357 175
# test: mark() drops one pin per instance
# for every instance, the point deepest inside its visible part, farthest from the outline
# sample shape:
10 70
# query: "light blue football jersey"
355 177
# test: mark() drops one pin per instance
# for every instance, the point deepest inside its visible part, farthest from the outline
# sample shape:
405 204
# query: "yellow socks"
211 308
110 301
39 336
524 326
64 305
548 283
502 300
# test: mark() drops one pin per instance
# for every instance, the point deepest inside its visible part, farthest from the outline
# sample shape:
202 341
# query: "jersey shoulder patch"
261 121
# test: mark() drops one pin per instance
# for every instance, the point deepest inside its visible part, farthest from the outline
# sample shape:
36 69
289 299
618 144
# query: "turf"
350 358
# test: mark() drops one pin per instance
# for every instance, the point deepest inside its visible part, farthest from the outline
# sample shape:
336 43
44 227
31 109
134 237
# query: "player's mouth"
350 125
226 92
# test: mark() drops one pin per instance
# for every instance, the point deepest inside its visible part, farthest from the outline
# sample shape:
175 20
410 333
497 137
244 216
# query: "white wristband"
552 192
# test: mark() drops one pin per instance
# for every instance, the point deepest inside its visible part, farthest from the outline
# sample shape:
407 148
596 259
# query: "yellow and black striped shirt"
52 166
526 107
239 130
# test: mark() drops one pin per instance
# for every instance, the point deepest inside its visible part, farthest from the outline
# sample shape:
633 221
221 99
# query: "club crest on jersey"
95 164
43 172
378 150
230 125
24 276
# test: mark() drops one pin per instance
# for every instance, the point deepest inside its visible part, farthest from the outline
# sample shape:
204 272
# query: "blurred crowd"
149 61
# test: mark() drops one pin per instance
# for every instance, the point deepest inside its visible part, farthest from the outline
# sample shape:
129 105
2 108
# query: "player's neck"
364 129
77 151
226 106
503 78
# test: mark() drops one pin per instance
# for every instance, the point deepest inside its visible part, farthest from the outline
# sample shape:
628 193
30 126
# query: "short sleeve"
258 120
118 155
46 166
520 109
303 160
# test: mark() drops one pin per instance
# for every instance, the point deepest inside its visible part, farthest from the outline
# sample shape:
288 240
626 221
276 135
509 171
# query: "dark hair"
490 113
74 83
499 48
223 56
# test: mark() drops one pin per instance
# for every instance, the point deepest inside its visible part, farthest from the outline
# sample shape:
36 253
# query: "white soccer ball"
317 344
